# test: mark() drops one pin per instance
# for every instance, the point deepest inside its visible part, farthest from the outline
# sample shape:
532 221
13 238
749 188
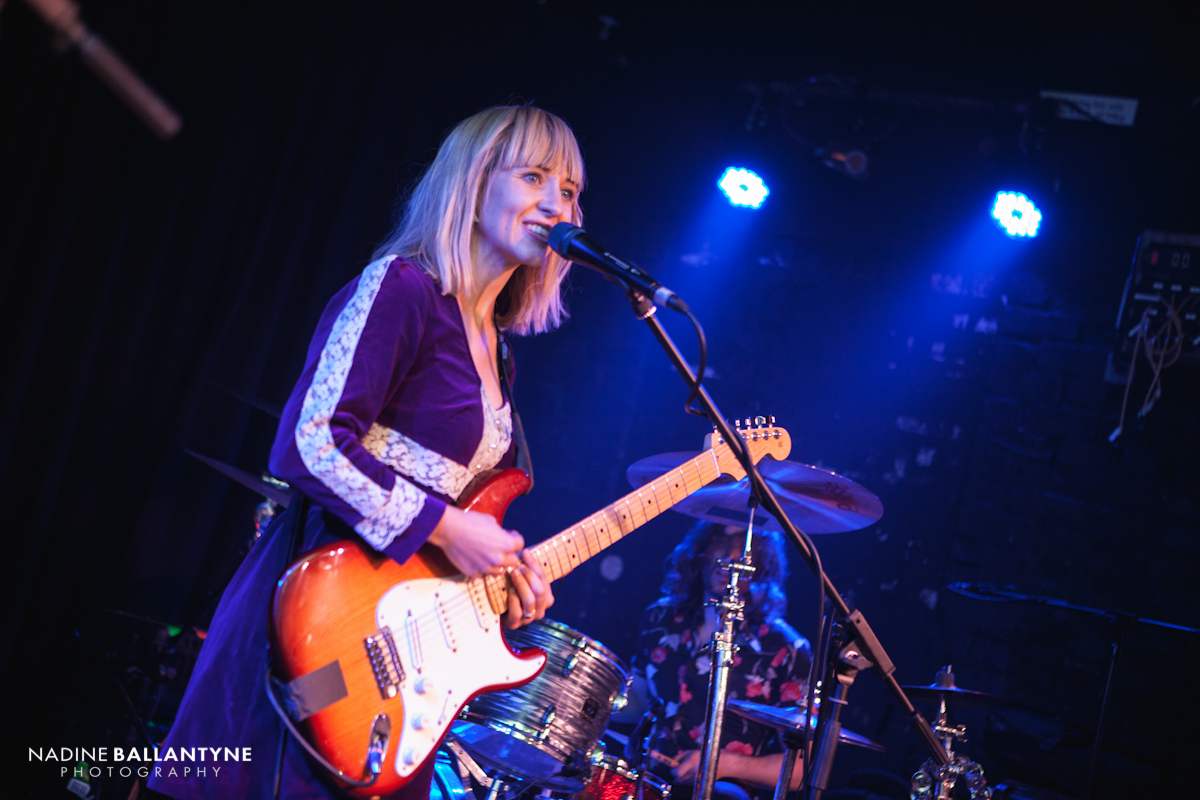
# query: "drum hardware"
447 781
722 649
637 747
467 766
935 781
1122 622
547 731
622 739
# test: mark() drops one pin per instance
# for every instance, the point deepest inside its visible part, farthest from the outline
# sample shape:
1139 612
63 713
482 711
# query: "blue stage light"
743 187
1016 214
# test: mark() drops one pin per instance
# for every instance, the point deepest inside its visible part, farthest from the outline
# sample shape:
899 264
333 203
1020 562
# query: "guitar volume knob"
423 685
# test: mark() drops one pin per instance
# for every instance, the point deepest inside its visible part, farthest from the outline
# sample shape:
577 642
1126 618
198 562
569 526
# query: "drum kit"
546 738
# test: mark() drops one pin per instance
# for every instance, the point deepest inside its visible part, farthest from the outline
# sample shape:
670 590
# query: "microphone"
572 243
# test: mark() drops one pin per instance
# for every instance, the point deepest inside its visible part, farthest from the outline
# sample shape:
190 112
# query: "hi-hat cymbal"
792 719
815 499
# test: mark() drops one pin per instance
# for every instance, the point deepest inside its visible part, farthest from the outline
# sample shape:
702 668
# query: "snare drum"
613 779
533 730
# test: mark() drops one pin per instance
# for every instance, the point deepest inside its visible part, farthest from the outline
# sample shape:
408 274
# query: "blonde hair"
435 225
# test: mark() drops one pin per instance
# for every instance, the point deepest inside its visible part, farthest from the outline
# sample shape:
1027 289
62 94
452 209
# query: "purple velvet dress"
387 424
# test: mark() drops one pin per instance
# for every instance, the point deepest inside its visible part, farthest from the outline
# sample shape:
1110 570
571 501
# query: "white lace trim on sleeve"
393 517
386 514
434 470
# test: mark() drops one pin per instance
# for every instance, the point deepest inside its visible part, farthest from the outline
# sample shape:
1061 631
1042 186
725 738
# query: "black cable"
818 657
312 751
702 343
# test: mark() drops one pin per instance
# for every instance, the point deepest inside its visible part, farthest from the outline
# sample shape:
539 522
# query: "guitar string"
454 610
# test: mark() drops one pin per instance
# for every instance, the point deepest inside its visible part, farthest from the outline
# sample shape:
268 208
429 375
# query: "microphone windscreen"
560 234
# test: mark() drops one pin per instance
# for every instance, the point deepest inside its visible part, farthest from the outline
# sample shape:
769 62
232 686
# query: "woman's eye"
568 195
533 177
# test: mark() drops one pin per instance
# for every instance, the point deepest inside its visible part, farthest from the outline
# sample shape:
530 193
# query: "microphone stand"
863 648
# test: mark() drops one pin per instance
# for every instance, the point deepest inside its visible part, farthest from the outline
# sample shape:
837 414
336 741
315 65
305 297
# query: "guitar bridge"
385 662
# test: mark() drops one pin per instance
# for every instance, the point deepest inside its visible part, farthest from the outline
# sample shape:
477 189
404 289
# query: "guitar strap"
298 516
506 365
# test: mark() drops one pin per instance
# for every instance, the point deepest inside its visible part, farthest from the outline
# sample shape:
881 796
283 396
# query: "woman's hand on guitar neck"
529 594
476 544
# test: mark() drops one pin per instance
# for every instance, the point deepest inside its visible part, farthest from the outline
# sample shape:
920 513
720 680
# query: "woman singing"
400 405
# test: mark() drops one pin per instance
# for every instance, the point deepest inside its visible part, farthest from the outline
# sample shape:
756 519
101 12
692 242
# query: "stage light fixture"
743 187
1016 214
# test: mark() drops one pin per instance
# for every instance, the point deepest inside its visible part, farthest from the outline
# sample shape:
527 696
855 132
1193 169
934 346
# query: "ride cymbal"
815 499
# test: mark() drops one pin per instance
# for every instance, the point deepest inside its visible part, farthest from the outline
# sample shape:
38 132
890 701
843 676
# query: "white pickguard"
455 651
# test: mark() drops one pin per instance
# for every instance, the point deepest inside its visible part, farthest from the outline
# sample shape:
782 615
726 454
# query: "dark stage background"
144 285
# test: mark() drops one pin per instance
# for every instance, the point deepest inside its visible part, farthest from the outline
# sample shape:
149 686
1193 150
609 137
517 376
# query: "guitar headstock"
762 437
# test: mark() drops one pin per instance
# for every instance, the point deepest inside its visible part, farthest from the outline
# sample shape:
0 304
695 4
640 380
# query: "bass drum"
547 730
613 779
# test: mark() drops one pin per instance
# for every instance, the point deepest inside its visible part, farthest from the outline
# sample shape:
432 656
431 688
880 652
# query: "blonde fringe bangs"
437 223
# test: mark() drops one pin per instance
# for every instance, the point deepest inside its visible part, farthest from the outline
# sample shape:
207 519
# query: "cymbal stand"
793 745
842 670
730 609
937 781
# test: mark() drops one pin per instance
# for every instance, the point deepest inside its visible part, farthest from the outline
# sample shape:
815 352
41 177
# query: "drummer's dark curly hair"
683 586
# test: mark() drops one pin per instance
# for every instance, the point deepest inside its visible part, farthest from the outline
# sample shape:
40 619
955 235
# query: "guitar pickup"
385 662
444 622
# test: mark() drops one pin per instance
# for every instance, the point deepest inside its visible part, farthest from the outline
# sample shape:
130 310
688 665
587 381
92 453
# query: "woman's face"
519 208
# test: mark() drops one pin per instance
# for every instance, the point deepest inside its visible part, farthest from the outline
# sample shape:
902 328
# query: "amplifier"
1163 293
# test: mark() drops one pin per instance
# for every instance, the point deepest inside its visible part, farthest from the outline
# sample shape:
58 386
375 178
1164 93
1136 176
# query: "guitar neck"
565 551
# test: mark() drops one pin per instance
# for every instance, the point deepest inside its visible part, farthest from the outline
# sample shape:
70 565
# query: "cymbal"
954 695
272 491
792 719
944 687
815 499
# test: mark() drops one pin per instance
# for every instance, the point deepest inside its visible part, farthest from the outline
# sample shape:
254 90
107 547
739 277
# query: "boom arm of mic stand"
854 621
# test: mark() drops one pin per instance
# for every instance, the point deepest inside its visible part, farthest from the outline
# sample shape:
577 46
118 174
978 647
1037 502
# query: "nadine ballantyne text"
82 760
102 754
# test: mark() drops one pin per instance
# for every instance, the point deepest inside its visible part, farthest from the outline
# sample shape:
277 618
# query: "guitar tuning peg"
737 424
772 418
760 421
747 422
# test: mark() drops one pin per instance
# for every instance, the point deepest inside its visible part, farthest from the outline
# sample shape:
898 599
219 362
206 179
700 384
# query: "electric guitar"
380 657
